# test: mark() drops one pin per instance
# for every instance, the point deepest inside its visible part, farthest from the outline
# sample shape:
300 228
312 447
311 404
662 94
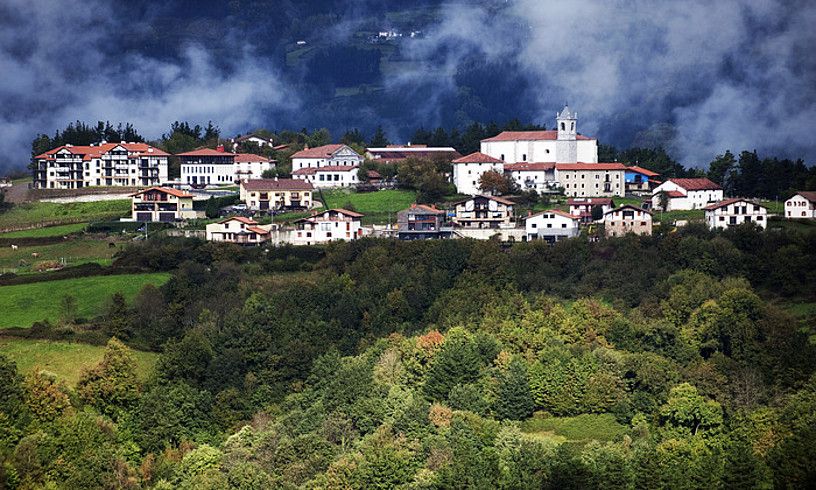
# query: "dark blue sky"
696 76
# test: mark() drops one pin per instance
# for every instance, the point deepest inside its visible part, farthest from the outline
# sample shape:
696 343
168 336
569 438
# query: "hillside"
682 360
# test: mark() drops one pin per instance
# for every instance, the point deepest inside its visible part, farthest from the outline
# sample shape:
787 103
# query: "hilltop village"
559 166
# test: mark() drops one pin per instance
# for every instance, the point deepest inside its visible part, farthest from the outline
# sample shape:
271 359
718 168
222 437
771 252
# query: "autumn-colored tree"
495 183
111 385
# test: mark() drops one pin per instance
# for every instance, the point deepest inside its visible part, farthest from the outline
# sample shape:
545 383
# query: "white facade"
801 205
239 230
162 204
533 176
588 180
734 212
526 146
466 176
686 194
326 156
248 166
551 225
327 226
208 174
328 177
106 164
627 219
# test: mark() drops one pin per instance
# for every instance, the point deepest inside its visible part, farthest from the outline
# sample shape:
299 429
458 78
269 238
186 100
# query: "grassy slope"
46 232
24 304
64 359
74 252
36 212
578 430
377 206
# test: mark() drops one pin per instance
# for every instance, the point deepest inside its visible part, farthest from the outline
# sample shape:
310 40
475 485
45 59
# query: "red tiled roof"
589 166
590 201
257 230
429 209
726 202
528 166
502 200
625 206
318 214
477 157
164 190
809 195
324 151
373 174
529 136
242 219
675 194
277 185
643 171
558 212
702 184
249 157
328 168
206 152
397 154
96 151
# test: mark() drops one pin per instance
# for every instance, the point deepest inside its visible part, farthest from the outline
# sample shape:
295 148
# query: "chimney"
529 212
220 148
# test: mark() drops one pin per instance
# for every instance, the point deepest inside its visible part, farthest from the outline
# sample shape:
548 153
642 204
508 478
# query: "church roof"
530 136
567 113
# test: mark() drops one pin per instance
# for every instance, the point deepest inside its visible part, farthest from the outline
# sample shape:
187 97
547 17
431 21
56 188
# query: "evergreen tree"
379 140
457 363
514 400
111 385
211 210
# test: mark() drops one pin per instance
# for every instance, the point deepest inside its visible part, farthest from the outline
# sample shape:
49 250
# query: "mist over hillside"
694 77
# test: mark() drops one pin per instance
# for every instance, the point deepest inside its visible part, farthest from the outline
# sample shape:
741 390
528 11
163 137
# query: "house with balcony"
106 164
686 194
250 166
276 194
801 205
537 176
552 225
162 204
591 179
734 212
238 230
582 207
421 222
325 156
484 212
327 226
627 219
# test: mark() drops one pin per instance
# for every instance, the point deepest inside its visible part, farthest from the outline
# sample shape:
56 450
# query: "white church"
543 160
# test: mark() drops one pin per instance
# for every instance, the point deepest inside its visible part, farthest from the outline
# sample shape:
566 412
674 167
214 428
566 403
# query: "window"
533 225
759 218
563 127
502 157
563 225
524 157
549 225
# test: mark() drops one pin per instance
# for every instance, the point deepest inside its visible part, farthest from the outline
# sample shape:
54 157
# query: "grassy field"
74 252
24 304
66 360
54 213
578 430
46 232
378 206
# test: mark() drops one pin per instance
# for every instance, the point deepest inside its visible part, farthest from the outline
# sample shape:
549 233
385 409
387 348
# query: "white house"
685 194
261 141
564 145
801 205
592 179
535 176
469 169
329 176
161 204
551 225
627 219
238 229
326 156
735 211
250 166
327 226
106 164
207 166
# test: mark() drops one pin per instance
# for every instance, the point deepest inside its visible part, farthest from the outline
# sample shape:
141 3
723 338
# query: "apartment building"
264 194
483 212
106 164
328 176
592 179
627 219
207 166
421 222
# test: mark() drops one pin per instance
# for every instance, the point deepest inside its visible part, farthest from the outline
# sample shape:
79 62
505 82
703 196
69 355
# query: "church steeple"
567 121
